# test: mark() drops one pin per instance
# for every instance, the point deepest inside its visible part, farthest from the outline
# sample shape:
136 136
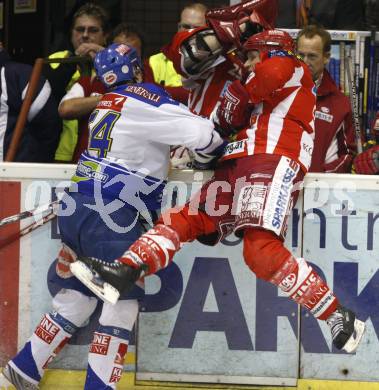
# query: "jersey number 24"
100 139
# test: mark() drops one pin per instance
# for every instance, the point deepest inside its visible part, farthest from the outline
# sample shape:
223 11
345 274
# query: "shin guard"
154 250
298 280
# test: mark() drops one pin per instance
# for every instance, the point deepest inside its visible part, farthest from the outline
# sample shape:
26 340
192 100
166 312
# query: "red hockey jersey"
285 96
206 88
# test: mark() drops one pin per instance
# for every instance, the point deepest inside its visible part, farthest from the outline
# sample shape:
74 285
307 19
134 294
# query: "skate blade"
353 342
4 382
105 292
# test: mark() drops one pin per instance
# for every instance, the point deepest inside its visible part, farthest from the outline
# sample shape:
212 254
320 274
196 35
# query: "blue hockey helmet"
117 64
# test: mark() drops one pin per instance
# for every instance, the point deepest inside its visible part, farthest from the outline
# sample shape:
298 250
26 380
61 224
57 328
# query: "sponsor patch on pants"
279 202
250 204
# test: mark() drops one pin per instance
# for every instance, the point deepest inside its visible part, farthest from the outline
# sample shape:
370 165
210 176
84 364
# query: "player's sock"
50 336
154 250
298 280
106 358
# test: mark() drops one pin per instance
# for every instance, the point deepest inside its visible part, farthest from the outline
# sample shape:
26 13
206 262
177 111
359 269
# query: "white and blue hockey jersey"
131 131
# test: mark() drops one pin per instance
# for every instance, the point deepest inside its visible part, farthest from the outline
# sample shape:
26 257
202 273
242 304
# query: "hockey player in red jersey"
255 185
205 57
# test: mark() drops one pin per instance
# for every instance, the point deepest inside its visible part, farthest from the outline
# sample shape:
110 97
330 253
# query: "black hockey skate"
347 330
106 280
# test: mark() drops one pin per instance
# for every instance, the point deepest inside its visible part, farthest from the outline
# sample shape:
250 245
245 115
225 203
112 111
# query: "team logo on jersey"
325 109
100 343
47 330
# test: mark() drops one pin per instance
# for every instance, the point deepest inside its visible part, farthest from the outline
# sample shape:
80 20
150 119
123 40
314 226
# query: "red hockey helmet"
269 40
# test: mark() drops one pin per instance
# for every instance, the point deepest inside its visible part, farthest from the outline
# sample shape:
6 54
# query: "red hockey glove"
234 110
367 162
228 21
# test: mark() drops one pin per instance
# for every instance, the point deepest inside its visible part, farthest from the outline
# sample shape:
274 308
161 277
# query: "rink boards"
206 318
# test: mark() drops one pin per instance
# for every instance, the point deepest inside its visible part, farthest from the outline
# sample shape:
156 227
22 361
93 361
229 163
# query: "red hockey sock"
267 257
156 248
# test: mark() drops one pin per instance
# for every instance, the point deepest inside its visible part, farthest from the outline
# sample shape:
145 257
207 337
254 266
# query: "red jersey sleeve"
268 77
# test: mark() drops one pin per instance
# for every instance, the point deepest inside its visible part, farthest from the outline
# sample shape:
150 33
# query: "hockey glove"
181 157
367 162
205 161
234 110
234 24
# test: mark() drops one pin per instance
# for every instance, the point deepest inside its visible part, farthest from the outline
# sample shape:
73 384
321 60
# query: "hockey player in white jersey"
121 175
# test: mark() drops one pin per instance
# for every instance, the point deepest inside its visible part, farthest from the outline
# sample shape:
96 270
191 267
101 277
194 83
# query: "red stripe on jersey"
112 101
10 194
285 126
206 93
261 134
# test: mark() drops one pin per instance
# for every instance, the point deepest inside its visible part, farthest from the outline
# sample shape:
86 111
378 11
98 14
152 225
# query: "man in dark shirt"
41 131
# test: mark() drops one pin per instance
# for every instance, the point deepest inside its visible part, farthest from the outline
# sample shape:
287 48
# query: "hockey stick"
353 102
24 231
22 117
371 78
29 213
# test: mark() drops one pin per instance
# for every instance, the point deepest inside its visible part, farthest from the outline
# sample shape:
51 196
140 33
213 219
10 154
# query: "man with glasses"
89 31
160 70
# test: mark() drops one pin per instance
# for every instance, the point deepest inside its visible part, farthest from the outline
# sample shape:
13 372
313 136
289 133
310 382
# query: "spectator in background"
334 144
89 31
159 69
128 34
41 132
84 95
